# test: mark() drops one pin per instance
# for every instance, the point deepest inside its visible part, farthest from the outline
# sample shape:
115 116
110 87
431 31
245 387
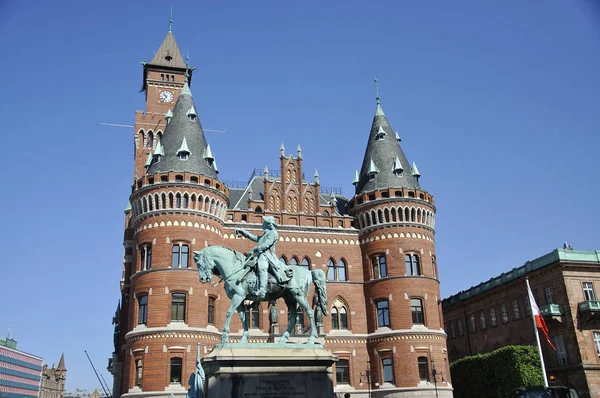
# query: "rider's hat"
269 219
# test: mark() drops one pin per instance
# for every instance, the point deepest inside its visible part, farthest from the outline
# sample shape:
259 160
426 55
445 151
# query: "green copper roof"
414 171
214 164
397 165
208 153
378 110
128 207
186 90
148 160
159 151
372 168
169 115
557 255
356 178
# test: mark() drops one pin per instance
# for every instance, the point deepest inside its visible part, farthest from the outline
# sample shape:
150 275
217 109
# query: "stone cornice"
300 229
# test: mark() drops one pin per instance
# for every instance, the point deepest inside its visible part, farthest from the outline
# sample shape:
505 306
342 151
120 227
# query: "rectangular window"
388 370
176 368
416 307
588 291
138 372
383 313
459 326
549 295
516 309
527 305
482 324
178 307
379 266
423 369
146 257
493 319
142 310
211 310
504 313
452 335
597 342
561 350
343 318
253 317
180 256
472 322
342 372
413 266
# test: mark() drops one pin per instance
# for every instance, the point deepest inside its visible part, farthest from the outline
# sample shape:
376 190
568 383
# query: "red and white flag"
539 319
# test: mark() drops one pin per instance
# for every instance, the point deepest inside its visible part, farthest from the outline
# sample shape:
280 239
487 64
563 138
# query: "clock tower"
163 79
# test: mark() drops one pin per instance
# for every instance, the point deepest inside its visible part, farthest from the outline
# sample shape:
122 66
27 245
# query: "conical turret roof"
384 152
61 363
182 126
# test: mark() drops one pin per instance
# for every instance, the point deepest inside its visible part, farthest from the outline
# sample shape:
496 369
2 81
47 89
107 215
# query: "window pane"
408 261
185 250
330 270
416 265
588 291
504 312
482 320
382 266
516 309
549 295
341 270
597 342
388 371
211 311
416 306
138 372
335 322
493 319
293 261
175 370
343 318
423 369
383 316
255 319
178 307
175 256
342 372
142 309
376 273
305 263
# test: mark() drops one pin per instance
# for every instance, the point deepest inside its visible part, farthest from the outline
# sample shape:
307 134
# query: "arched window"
138 372
413 266
434 267
305 263
300 326
293 261
416 308
341 270
170 200
146 257
330 270
326 213
393 214
407 214
412 215
142 309
178 201
339 316
373 218
258 209
180 256
336 272
150 141
386 214
380 216
283 259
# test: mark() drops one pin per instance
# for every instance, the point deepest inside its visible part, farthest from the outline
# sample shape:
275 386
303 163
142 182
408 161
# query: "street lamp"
434 374
368 375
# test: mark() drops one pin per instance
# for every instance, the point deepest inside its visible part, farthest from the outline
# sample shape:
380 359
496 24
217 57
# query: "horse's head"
204 268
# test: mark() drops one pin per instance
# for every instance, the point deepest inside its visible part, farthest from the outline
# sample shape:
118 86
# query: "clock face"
166 96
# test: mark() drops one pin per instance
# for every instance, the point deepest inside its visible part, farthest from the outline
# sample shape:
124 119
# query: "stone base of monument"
235 370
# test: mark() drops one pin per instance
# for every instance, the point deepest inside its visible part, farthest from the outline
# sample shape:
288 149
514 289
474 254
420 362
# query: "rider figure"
264 256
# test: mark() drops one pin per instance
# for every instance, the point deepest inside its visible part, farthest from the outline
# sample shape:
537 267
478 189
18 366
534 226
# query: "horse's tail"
318 277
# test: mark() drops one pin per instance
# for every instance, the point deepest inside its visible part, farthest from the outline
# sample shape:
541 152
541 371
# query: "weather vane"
376 90
171 20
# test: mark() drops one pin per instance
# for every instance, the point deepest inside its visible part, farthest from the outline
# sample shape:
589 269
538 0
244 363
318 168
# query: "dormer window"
398 169
191 113
380 135
373 170
183 155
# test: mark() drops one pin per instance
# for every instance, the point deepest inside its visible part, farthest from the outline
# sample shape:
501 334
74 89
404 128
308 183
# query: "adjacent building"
497 313
20 372
376 247
54 379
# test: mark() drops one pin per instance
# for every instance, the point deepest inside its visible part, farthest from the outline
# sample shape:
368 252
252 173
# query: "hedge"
497 373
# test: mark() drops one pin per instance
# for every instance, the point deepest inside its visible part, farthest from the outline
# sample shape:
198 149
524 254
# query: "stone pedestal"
269 371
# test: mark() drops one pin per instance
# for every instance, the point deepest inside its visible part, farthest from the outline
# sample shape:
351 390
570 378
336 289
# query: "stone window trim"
549 293
337 271
423 366
493 317
516 309
176 364
596 336
339 315
504 313
386 368
138 365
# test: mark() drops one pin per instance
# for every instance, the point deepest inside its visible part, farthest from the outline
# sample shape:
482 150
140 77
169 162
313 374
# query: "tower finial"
376 91
171 20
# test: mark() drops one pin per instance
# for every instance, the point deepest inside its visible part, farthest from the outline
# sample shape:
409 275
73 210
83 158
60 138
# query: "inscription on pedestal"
272 386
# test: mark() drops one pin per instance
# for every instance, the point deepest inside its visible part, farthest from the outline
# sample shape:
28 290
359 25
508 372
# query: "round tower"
177 206
396 222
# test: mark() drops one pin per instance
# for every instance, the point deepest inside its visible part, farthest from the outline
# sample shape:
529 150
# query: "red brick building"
377 249
497 313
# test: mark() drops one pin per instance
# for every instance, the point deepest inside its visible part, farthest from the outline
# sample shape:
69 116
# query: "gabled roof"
180 127
385 154
168 54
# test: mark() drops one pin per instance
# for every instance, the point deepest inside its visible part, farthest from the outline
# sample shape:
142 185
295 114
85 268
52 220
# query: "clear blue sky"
497 102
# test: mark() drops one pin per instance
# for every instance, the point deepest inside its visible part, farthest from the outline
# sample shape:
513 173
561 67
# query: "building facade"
377 249
20 373
497 313
54 379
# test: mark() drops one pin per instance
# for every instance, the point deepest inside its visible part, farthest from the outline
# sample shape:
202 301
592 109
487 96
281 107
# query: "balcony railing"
552 310
589 306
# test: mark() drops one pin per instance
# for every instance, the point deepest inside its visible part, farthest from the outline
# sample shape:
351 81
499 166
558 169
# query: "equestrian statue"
247 278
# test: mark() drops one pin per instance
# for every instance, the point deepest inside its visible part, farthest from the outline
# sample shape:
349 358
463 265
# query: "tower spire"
171 20
377 91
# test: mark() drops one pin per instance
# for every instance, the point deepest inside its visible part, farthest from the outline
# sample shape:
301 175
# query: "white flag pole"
533 304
